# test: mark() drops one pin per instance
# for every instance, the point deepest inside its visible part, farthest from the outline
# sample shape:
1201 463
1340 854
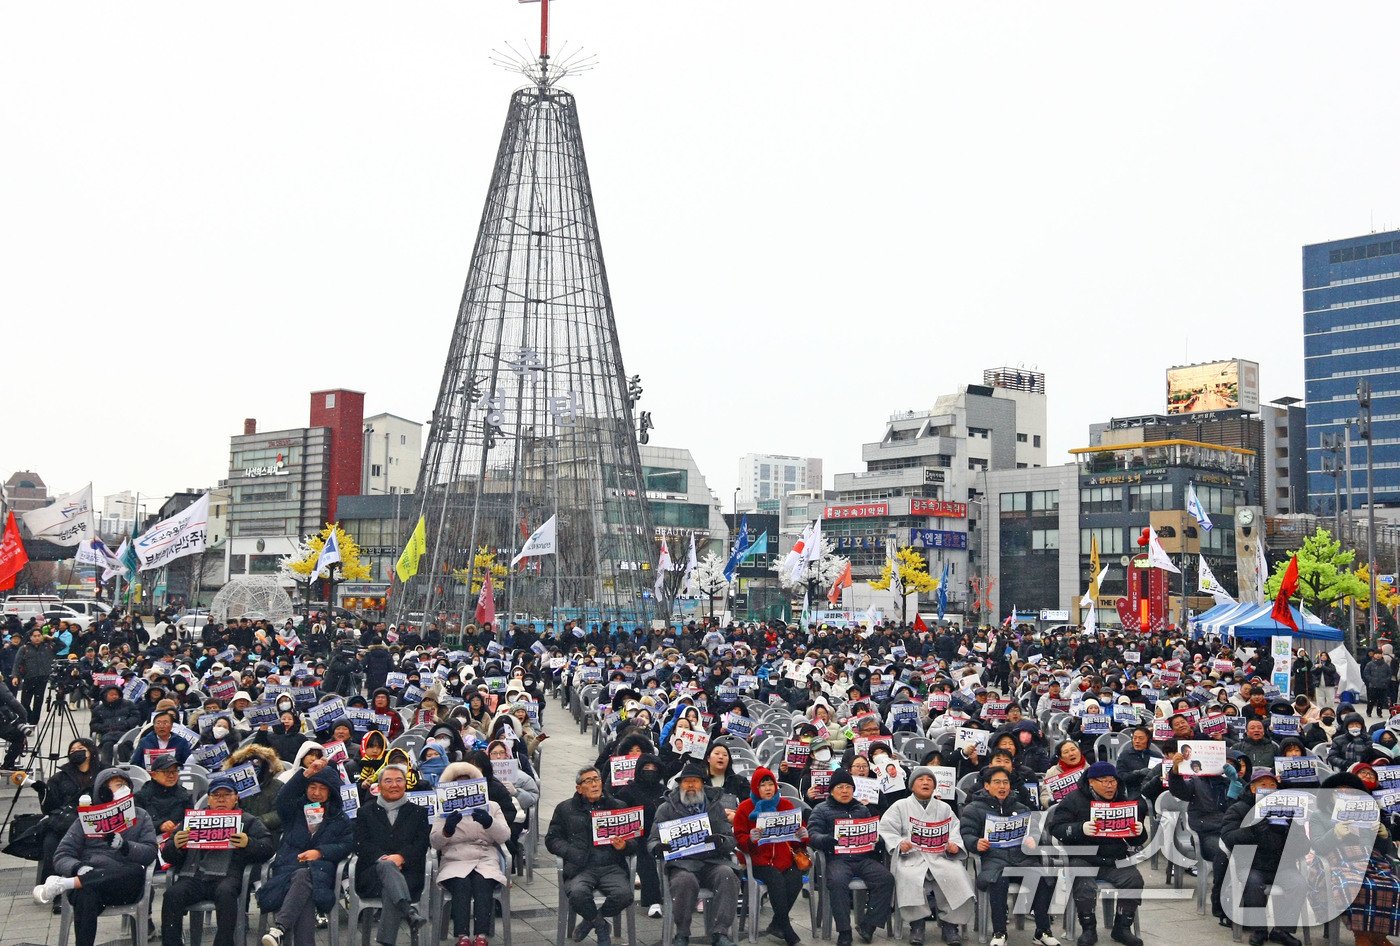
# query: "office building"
1351 308
1285 457
764 479
1031 552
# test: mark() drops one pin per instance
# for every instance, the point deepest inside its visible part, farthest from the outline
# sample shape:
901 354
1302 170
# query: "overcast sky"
813 213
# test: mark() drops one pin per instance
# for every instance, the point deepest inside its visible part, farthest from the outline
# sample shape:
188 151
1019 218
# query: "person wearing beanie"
773 863
199 873
710 870
1071 823
912 866
841 806
1273 866
996 798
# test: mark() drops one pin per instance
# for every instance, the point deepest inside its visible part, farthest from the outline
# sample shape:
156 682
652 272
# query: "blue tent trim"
1253 622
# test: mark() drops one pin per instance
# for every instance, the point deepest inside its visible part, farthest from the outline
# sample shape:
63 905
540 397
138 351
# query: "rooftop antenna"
538 68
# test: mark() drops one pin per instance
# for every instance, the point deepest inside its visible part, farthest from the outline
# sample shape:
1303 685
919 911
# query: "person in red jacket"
773 862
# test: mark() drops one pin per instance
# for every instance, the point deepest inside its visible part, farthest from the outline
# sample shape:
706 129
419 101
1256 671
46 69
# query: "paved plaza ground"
1165 922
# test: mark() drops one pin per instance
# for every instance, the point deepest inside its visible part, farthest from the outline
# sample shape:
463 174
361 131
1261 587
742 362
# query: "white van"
92 609
30 606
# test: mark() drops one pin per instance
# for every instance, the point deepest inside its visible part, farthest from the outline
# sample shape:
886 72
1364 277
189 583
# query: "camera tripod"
47 743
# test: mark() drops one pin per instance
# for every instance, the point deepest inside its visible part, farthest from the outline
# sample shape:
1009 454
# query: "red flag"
834 596
919 624
486 603
1287 588
13 557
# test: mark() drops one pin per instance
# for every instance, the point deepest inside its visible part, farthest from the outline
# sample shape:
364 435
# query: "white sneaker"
998 940
1045 939
654 911
273 937
50 890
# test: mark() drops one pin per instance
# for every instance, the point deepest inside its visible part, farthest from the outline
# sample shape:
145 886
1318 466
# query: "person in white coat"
471 862
911 865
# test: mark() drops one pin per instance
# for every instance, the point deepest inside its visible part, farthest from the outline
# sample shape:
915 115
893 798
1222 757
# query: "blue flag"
943 592
741 547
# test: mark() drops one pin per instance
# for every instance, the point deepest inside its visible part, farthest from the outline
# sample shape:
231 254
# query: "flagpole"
554 610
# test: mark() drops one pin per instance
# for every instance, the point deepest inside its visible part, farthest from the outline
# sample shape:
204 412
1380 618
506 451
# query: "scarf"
391 808
764 807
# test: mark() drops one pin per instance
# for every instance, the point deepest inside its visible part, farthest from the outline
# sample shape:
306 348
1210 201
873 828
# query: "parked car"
30 606
63 613
94 609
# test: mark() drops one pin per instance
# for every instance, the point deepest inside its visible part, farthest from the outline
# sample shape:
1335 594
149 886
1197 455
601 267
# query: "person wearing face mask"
220 732
645 791
821 759
104 871
72 781
163 797
263 805
1324 730
112 716
1353 744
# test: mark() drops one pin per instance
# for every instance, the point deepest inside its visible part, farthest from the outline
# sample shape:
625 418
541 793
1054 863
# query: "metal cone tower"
534 417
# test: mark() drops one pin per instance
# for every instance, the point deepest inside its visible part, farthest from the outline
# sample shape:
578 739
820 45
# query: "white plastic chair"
138 914
441 897
361 907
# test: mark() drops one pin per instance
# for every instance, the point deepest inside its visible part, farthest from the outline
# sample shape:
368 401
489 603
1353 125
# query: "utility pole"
1363 401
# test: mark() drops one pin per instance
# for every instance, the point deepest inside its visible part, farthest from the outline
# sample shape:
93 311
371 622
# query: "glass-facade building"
1351 331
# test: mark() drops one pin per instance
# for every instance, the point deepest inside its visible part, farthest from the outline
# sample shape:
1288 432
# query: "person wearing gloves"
911 866
588 867
163 797
1272 867
316 837
997 798
391 848
841 869
1071 823
1208 798
470 868
212 875
711 870
105 871
773 864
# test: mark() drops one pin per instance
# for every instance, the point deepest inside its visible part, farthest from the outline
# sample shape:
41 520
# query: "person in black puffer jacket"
1268 837
1140 778
163 797
1070 823
1352 745
112 716
841 869
589 867
59 800
1208 798
1032 750
995 797
645 791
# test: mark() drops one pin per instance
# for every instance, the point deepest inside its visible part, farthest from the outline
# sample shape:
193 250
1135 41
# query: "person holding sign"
211 874
159 737
710 868
391 849
923 837
1071 823
996 824
101 868
1208 798
841 806
588 867
316 836
1276 864
470 868
773 861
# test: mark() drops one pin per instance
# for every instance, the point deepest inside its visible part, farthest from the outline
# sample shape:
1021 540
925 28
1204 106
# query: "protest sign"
1356 809
211 830
210 756
904 714
462 796
891 777
746 681
690 742
974 738
867 789
324 715
135 689
1283 724
778 826
1061 786
945 782
622 770
686 837
1132 657
1281 805
245 779
1388 776
1388 799
349 800
1201 757
1293 770
1008 831
506 770
856 835
1114 819
1094 724
1214 727
611 824
937 702
995 710
1222 666
223 690
186 733
335 752
1125 714
263 714
736 725
931 837
151 755
726 693
425 798
797 753
315 814
821 782
396 680
114 817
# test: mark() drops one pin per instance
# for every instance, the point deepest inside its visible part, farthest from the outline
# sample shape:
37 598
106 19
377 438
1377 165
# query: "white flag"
1347 669
69 520
1156 555
1205 581
1261 572
117 566
663 565
812 552
540 542
185 533
330 555
688 583
94 552
796 561
1194 507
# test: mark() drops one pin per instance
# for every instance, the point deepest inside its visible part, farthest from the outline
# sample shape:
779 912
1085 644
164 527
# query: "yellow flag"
417 546
1094 567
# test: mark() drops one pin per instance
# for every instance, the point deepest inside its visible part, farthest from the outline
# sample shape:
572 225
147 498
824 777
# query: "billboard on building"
1213 386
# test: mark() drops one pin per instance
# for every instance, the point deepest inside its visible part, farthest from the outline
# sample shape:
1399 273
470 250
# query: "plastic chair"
337 908
668 926
126 745
858 889
414 744
361 907
195 782
135 774
441 897
916 747
756 890
567 917
138 913
1110 744
251 875
982 915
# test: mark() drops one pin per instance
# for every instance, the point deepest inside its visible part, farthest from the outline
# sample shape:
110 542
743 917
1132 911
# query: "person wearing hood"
163 797
645 791
1208 798
773 863
397 755
105 871
589 867
285 736
112 716
710 870
220 731
841 869
432 762
374 748
391 848
379 703
1071 823
1031 750
997 798
308 753
316 837
212 875
263 805
470 868
911 866
59 802
1273 866
448 735
1352 744
1371 915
